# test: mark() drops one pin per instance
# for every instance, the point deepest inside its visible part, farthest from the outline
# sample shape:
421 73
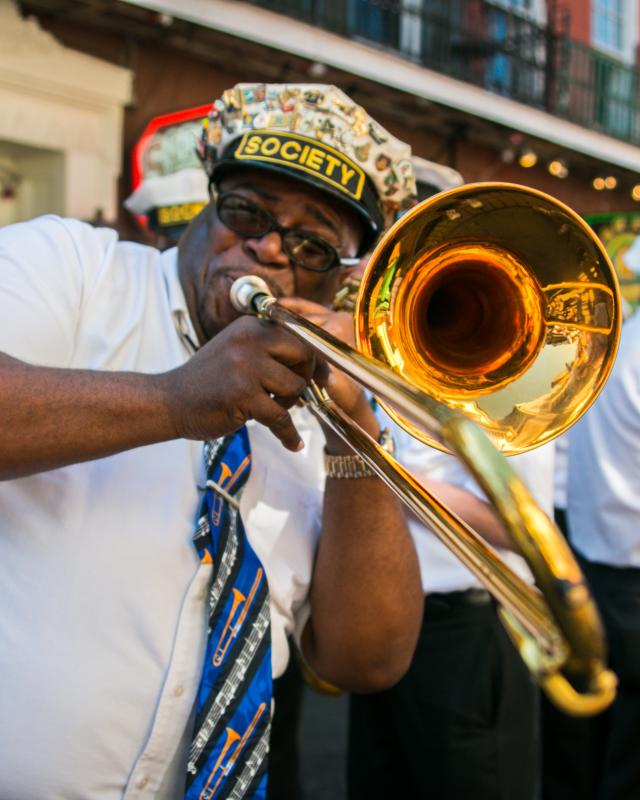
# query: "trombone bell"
498 301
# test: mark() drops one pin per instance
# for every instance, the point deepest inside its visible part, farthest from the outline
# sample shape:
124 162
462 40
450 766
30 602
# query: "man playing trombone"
148 590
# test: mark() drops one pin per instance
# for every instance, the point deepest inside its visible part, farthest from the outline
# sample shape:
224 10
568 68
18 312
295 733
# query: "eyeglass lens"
250 221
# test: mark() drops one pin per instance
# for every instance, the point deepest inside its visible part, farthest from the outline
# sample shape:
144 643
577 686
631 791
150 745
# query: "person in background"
597 758
432 178
169 202
463 721
149 584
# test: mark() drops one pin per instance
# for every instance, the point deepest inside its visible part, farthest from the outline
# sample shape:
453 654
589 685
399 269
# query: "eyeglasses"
304 249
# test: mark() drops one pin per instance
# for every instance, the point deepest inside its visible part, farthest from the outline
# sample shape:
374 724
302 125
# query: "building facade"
537 92
61 125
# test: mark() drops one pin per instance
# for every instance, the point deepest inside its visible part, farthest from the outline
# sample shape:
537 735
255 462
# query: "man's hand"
251 370
342 389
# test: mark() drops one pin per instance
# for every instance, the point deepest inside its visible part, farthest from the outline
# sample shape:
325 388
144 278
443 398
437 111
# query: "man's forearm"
54 417
366 597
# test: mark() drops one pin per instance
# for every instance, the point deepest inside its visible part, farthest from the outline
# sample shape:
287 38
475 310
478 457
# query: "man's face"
212 256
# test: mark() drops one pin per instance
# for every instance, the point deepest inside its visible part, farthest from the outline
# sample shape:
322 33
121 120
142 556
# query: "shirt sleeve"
46 268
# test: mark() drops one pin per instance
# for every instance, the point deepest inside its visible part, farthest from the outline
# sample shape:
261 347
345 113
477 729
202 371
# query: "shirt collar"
175 295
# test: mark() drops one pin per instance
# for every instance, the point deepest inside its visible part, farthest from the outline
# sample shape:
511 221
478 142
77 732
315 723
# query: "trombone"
487 322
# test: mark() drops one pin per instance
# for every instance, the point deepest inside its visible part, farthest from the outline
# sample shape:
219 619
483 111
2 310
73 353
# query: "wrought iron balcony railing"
488 44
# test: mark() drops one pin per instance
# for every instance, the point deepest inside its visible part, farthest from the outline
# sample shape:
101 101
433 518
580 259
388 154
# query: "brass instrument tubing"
526 604
545 640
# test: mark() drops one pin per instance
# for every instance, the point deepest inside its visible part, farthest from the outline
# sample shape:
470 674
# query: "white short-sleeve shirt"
603 489
102 629
440 569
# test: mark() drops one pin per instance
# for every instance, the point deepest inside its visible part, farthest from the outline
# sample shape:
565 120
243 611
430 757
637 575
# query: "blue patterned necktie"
228 756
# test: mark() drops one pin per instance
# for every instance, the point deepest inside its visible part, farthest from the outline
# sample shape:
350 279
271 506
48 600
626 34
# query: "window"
517 69
614 25
607 24
519 5
375 20
613 96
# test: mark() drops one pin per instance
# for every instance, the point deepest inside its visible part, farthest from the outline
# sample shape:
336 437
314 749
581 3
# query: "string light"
528 159
598 184
635 192
558 168
317 70
610 182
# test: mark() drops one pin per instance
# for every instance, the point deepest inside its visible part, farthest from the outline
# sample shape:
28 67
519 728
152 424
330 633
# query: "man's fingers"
266 370
286 402
322 373
284 383
270 413
286 348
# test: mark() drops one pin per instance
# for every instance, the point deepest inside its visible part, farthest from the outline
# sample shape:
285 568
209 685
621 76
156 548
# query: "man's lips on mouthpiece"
275 289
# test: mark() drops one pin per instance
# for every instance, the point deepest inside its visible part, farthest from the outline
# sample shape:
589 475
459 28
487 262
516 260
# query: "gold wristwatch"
353 466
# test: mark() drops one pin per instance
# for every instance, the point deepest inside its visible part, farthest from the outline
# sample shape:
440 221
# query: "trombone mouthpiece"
244 291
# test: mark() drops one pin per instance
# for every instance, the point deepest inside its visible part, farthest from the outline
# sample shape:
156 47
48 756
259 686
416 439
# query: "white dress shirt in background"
561 465
440 569
604 464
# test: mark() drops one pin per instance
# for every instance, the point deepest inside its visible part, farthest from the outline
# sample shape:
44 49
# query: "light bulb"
528 159
558 168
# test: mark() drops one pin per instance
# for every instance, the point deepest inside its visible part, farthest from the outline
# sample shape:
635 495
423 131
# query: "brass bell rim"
566 407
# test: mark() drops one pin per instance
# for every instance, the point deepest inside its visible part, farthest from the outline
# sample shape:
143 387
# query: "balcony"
492 47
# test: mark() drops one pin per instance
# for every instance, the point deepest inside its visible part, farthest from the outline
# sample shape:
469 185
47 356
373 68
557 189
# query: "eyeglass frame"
282 230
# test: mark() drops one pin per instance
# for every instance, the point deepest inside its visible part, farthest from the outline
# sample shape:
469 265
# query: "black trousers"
599 758
284 758
463 723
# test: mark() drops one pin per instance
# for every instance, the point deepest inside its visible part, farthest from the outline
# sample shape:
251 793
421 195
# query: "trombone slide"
575 637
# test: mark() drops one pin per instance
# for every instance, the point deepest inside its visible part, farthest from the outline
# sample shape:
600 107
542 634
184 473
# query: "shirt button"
142 781
178 690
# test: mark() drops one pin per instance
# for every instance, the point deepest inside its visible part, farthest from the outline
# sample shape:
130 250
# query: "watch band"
352 465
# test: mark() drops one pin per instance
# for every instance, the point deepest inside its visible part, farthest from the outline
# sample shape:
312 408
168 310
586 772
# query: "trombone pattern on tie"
228 755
